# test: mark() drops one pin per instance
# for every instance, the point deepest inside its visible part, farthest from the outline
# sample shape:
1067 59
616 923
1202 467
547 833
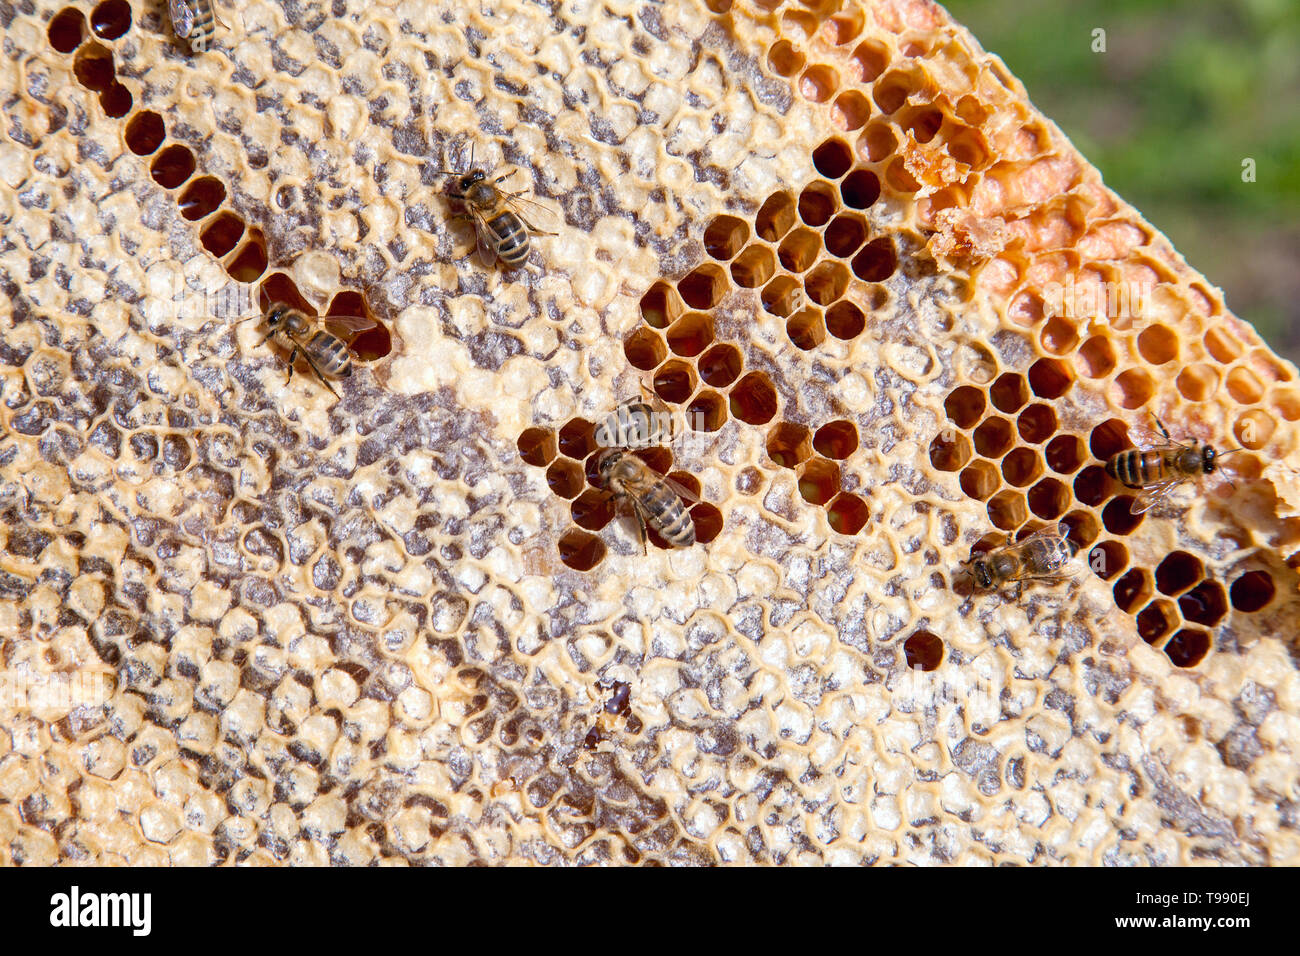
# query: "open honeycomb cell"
923 650
380 629
1178 572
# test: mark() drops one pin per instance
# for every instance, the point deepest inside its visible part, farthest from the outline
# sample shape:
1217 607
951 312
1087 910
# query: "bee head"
983 577
608 462
276 316
1208 462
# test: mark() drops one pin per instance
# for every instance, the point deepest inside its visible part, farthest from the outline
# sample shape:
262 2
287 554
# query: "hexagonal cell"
1109 439
877 261
847 514
565 478
900 177
923 122
1049 378
833 158
1021 467
844 27
1108 559
1206 604
1036 423
703 287
1009 393
1058 335
891 90
1133 590
1156 620
580 550
201 198
1158 344
1178 572
826 282
93 67
782 295
1222 345
67 29
879 142
278 287
993 437
720 365
1244 387
1007 510
1048 499
657 458
860 189
645 349
923 651
844 320
806 329
1118 516
837 439
789 445
144 132
707 520
1253 591
817 204
222 234
111 19
1064 454
691 334
1096 357
707 411
784 60
577 439
819 481
725 237
1287 403
753 267
1188 648
869 60
964 405
250 261
1083 528
172 166
800 250
1253 430
1134 388
593 509
116 101
819 83
950 451
753 399
674 382
660 306
1197 382
1092 486
537 446
851 111
775 217
980 480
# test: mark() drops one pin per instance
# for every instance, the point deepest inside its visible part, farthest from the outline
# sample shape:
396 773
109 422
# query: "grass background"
1185 91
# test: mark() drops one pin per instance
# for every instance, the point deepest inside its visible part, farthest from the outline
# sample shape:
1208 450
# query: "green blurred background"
1185 91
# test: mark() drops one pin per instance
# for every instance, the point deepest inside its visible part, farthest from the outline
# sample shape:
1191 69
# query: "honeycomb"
899 317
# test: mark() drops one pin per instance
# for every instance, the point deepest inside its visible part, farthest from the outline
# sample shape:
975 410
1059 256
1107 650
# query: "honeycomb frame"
407 627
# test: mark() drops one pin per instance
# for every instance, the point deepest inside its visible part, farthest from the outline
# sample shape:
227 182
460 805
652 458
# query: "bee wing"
182 17
1147 440
487 253
348 323
515 202
681 491
1058 530
1148 498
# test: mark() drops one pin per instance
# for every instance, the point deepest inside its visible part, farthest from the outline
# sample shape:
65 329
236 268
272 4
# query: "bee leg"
323 380
1164 431
640 527
293 357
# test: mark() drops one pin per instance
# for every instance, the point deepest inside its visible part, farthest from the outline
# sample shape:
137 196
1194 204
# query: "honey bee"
655 501
325 352
1042 556
501 229
1159 466
636 424
194 21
